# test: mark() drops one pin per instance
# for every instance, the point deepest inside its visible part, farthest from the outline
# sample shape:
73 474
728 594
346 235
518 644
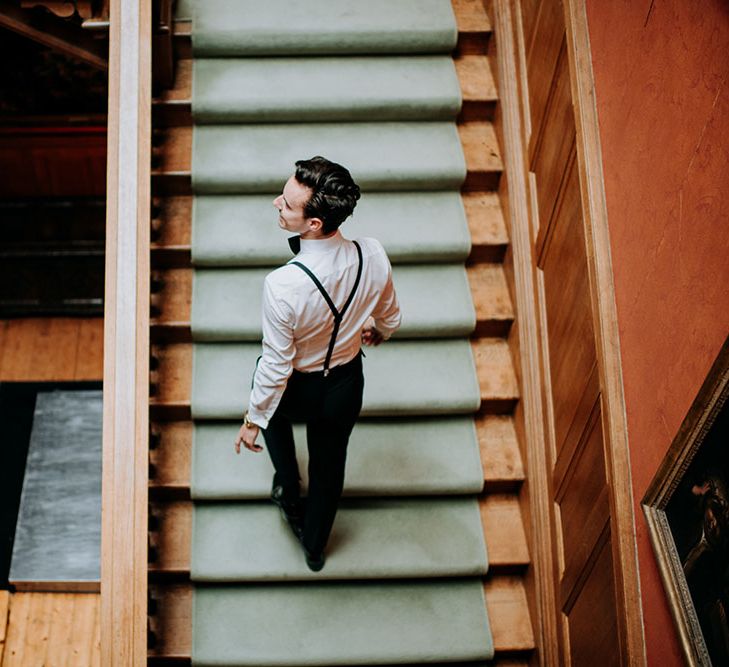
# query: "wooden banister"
126 339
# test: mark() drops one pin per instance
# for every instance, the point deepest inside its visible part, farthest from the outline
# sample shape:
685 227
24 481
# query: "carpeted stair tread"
371 539
279 27
393 457
242 230
238 159
324 89
340 624
226 303
402 378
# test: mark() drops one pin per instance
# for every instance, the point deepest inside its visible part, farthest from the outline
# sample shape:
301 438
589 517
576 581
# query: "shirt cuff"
257 418
385 330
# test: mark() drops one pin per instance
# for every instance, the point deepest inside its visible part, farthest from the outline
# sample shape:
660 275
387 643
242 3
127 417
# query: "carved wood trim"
617 455
126 340
62 8
526 321
59 35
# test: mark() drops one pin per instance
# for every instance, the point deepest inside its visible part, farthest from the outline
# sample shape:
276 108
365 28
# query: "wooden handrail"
126 339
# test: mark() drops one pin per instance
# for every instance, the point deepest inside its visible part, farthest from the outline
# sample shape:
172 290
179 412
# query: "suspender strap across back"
338 314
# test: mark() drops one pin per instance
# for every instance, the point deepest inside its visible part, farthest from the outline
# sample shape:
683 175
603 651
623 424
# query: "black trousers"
329 406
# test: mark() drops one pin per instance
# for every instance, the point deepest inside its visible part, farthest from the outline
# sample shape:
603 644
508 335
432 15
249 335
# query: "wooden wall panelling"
584 507
569 322
592 620
528 11
604 313
542 54
553 146
579 417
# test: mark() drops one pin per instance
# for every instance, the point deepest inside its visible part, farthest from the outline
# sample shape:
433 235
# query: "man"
317 311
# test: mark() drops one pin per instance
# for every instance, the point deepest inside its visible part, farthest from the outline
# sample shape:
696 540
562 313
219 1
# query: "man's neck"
317 236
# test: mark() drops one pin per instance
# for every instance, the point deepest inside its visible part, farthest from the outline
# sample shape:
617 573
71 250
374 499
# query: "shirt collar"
310 246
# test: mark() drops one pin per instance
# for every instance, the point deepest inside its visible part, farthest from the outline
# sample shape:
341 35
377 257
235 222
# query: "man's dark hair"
334 192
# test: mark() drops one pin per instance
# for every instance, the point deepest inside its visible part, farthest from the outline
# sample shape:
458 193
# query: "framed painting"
687 509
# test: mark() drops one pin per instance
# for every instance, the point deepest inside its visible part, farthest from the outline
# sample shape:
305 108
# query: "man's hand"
370 334
248 436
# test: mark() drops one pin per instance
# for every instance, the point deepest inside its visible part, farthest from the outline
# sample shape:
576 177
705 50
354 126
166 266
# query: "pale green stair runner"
290 89
403 378
226 303
414 227
386 457
385 156
403 578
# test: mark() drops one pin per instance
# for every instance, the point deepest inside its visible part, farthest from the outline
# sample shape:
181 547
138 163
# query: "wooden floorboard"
4 610
51 349
52 629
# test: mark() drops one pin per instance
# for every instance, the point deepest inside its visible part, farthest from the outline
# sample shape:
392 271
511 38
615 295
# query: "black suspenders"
338 314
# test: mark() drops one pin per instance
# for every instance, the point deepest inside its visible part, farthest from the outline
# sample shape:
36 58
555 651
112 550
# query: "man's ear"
315 224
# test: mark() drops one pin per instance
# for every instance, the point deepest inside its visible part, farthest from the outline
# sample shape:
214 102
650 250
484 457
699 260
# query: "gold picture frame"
685 509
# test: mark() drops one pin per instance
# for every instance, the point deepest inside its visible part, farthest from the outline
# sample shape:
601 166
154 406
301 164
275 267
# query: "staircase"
433 465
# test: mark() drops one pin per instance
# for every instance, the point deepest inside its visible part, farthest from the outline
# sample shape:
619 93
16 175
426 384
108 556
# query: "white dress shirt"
298 323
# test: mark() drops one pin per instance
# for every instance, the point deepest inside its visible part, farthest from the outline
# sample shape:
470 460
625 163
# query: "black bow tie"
295 244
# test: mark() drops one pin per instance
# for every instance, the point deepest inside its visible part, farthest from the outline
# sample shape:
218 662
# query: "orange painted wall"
662 82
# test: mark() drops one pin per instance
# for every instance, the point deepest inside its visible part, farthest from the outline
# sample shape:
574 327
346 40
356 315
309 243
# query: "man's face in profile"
290 205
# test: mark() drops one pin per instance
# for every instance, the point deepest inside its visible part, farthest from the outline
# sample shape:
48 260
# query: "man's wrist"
248 423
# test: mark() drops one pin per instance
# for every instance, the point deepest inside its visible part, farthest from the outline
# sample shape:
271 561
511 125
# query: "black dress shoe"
314 563
292 512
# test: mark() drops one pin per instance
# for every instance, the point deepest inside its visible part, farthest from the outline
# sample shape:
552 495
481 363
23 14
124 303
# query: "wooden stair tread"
508 611
181 92
493 365
473 71
500 517
483 213
476 80
471 16
504 530
500 455
478 139
506 602
487 283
